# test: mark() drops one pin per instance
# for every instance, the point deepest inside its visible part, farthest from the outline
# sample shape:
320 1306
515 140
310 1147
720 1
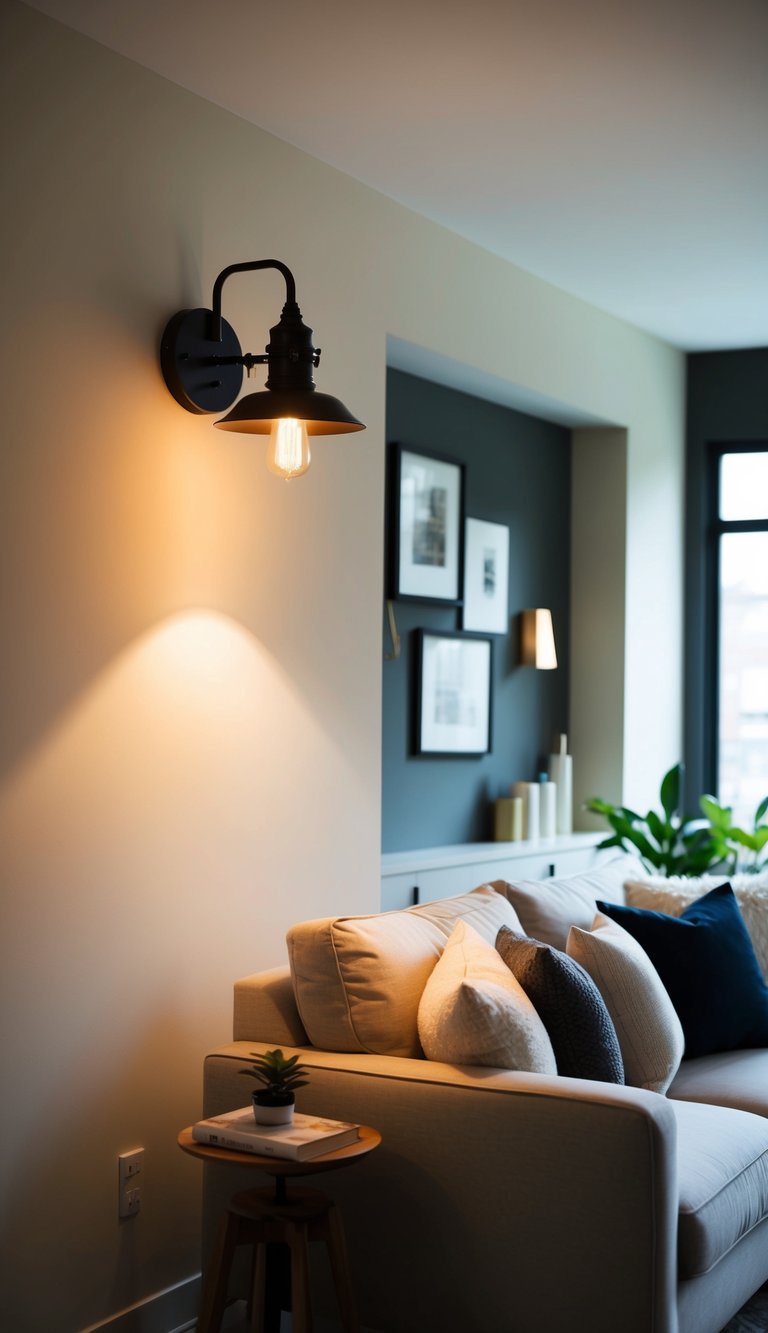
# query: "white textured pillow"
474 1012
649 1030
673 895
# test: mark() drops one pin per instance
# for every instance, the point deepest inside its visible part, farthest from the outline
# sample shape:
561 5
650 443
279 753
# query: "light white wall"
190 741
598 604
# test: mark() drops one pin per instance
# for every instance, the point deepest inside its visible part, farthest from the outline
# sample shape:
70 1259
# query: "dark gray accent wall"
518 472
727 403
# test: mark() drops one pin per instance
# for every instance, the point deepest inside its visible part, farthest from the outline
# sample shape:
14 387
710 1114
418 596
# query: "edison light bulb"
288 454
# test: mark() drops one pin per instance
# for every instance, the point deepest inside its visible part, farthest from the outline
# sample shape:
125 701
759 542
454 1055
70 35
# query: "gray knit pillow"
569 1005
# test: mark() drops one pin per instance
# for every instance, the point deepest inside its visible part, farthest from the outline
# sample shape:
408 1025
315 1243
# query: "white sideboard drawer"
443 872
426 885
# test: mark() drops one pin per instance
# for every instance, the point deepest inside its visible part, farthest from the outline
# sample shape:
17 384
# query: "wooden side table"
272 1216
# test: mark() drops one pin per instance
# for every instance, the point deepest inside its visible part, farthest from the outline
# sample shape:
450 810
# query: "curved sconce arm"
249 267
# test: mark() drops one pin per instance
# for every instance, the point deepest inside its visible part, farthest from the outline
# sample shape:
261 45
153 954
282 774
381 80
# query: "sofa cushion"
673 895
358 980
474 1012
647 1026
570 1005
549 907
730 1078
722 1158
706 962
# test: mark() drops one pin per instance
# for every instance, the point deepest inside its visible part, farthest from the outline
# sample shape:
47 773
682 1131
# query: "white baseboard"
171 1311
175 1311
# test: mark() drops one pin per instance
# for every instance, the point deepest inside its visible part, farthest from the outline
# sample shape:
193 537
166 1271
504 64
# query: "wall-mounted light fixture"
537 639
202 364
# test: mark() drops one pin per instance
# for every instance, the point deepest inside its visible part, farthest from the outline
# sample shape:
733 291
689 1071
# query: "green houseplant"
279 1076
670 843
667 842
746 849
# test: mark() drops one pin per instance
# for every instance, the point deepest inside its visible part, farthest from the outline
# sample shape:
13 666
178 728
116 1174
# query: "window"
739 609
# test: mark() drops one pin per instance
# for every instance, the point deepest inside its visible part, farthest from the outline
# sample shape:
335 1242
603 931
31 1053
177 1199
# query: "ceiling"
619 151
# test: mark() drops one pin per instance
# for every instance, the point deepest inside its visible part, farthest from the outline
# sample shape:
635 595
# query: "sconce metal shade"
537 639
322 413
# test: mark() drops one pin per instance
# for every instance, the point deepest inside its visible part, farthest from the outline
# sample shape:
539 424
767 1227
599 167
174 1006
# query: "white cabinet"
441 872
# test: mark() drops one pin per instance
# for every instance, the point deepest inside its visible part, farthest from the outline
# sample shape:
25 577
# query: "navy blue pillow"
706 961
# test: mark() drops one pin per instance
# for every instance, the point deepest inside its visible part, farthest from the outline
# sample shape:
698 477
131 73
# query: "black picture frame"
426 526
485 608
453 715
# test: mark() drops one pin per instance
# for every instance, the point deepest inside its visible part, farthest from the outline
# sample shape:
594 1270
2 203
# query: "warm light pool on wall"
202 363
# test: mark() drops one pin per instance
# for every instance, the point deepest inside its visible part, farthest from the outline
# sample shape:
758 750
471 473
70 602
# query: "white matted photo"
454 696
486 577
428 503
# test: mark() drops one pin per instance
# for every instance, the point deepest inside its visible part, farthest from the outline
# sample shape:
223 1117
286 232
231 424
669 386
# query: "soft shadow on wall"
518 472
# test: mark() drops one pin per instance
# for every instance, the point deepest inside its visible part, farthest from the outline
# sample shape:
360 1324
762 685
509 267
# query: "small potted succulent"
274 1102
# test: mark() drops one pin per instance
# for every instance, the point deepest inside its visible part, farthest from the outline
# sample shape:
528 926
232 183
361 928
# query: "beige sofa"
499 1201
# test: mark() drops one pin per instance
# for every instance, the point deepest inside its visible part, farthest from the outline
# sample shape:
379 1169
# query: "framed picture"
453 713
486 577
427 526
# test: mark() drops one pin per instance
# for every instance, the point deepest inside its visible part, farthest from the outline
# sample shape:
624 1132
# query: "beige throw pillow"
548 908
358 980
648 1028
474 1012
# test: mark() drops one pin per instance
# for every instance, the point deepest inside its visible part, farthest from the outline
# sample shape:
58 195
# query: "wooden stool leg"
214 1295
301 1313
259 1291
269 1274
337 1250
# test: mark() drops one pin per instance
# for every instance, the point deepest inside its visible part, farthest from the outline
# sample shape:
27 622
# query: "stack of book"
308 1136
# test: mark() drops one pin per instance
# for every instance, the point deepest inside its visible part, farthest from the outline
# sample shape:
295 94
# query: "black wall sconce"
202 364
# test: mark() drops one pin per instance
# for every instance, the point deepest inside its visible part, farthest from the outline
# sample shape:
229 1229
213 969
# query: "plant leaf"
638 840
670 790
631 815
659 830
613 841
718 815
744 839
598 806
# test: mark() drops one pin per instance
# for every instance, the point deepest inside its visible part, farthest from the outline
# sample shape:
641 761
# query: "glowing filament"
288 455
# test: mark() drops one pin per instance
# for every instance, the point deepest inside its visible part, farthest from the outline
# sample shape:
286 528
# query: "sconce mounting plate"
202 374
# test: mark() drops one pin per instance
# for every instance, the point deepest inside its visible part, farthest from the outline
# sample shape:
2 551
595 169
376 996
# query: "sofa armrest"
265 1009
498 1200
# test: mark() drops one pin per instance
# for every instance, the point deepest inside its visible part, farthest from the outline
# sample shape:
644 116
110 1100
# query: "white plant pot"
273 1115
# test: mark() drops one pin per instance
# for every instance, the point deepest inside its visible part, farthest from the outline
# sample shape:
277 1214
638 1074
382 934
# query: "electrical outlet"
130 1175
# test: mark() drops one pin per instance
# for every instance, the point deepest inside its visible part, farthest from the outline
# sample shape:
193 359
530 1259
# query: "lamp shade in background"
537 639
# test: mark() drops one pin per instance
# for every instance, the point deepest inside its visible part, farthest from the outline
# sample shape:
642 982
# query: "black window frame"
718 527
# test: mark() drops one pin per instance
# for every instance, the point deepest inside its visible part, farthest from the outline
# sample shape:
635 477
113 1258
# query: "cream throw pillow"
358 980
649 1030
474 1012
